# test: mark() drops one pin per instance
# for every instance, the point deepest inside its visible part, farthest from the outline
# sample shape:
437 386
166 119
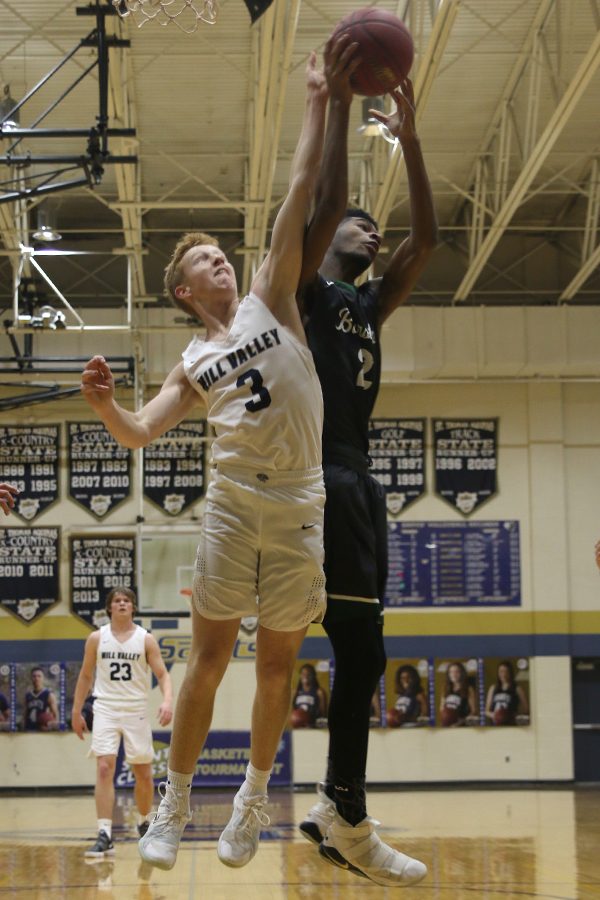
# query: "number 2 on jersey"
367 361
261 398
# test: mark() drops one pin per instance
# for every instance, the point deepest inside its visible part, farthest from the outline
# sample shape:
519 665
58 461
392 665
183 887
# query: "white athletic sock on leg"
105 825
255 783
179 786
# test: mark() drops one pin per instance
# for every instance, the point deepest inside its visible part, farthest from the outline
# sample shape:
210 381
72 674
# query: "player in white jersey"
122 654
262 527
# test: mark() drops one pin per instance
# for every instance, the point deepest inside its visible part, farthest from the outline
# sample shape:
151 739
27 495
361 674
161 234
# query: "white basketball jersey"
262 393
122 669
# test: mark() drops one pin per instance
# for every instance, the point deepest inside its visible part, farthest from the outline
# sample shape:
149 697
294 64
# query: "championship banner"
99 564
397 451
99 468
29 460
222 763
29 561
174 468
465 455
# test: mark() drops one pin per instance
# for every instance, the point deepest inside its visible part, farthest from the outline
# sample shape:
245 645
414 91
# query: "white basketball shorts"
110 725
261 548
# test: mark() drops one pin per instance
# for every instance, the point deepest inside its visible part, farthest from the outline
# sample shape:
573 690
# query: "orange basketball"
300 718
503 716
44 720
394 718
449 716
385 46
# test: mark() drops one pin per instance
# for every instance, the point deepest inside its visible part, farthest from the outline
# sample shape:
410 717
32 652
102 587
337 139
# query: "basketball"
503 716
394 718
449 716
300 718
44 720
385 46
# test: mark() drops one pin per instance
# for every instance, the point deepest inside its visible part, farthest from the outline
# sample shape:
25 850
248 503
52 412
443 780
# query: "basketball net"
186 14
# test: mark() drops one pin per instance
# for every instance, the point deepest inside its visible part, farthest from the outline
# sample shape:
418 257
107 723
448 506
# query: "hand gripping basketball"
385 47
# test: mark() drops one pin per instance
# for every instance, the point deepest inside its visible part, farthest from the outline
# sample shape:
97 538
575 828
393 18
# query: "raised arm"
331 196
137 429
277 279
409 260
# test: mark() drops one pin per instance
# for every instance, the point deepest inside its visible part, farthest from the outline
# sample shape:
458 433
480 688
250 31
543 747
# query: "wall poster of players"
29 461
98 564
458 692
409 693
29 563
506 694
174 468
311 688
397 451
40 697
465 459
99 468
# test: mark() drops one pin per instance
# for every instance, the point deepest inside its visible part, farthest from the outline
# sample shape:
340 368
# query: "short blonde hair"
173 272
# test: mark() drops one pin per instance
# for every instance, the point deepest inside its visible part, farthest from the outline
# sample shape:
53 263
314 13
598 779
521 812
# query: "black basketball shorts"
355 543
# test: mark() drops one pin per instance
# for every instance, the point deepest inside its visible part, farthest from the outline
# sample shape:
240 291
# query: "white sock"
142 818
180 785
255 783
106 826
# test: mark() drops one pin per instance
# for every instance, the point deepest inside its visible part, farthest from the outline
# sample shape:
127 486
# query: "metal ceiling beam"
533 164
442 25
272 45
590 258
122 110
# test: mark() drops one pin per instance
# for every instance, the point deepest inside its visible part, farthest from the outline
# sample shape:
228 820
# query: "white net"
186 14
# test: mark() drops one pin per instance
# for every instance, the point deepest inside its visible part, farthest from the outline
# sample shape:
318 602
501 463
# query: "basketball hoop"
186 14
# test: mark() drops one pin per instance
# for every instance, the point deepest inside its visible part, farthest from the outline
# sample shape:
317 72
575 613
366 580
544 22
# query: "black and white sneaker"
143 828
103 847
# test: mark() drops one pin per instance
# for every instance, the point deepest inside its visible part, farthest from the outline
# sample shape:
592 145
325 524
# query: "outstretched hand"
97 382
400 123
315 77
341 60
8 492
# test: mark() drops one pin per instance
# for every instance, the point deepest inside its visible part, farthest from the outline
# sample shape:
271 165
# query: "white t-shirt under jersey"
122 670
262 393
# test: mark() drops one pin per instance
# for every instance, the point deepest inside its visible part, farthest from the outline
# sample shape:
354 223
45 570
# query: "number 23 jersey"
122 670
262 393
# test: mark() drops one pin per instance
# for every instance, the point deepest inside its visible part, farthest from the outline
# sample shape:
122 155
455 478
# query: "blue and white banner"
397 451
222 763
466 461
29 461
174 468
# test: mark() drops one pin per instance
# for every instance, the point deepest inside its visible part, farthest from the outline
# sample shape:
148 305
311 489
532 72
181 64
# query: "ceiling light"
46 225
8 118
370 126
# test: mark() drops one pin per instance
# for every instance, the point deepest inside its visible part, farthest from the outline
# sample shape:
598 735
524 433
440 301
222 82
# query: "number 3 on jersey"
261 398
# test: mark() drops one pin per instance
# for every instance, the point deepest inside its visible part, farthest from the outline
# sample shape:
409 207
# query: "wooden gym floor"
490 844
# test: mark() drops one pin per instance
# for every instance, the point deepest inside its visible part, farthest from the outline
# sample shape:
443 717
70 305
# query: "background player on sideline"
122 655
262 530
343 325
